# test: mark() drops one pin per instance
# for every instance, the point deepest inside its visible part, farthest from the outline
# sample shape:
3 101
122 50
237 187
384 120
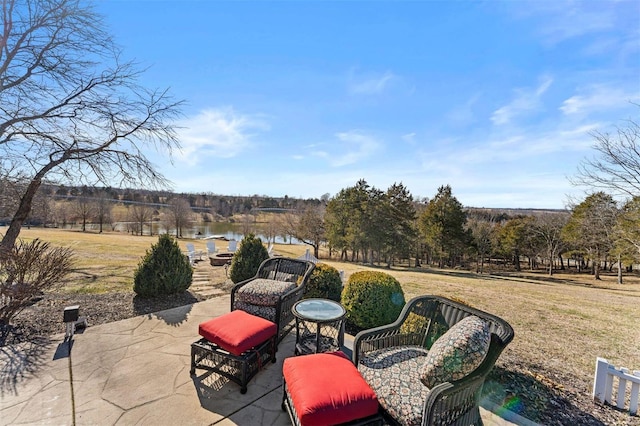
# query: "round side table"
319 325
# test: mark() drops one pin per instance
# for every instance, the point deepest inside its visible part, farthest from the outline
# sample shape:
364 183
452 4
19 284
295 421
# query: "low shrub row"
371 298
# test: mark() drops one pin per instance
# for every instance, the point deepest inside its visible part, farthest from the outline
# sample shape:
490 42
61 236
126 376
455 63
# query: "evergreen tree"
247 259
443 226
163 270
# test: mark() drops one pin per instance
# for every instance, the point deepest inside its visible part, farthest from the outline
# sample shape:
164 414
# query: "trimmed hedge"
372 299
324 283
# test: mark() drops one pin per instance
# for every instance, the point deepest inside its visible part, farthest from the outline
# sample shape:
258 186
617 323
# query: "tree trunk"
619 269
10 237
596 268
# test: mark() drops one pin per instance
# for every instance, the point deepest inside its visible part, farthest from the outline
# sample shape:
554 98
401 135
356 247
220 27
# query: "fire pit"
220 259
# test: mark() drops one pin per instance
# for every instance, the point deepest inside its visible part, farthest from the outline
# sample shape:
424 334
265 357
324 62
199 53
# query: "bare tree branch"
616 167
70 109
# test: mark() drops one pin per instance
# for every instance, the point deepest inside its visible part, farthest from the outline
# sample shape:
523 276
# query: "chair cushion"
457 352
266 312
394 375
237 331
263 292
326 388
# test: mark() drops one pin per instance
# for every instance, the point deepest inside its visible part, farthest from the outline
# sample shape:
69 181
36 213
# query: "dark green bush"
372 299
324 282
247 259
163 270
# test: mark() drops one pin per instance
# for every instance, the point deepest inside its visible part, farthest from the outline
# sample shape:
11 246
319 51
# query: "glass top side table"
319 325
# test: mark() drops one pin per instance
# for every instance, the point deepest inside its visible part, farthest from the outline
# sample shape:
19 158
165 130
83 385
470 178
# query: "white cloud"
221 133
526 100
527 148
410 138
370 85
356 146
566 20
597 98
463 115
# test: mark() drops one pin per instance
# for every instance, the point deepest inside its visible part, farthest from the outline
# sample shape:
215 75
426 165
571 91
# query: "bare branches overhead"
616 166
70 108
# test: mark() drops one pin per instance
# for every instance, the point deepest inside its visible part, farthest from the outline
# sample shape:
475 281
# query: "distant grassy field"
561 323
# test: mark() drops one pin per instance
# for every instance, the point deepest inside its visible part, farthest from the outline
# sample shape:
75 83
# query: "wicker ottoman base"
238 368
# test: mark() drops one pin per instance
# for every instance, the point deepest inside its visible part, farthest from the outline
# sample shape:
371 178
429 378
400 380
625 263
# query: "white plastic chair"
193 253
211 248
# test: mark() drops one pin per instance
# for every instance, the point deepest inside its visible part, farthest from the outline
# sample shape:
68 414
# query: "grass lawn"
562 323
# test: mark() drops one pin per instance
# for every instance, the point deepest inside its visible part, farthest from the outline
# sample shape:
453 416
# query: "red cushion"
327 389
237 331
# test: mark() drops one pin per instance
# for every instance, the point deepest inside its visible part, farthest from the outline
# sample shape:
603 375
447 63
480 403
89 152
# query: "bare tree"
616 167
10 190
482 232
139 214
178 215
83 208
102 209
62 213
42 208
70 108
548 227
308 227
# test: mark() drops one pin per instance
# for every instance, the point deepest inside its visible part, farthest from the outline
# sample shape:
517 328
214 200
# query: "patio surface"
136 371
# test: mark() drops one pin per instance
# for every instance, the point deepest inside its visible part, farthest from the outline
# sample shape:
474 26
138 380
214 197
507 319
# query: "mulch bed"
44 316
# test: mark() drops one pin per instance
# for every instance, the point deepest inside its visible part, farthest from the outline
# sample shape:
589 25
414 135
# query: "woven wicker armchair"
279 283
391 358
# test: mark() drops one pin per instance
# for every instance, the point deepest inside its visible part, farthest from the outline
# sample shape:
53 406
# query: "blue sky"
302 98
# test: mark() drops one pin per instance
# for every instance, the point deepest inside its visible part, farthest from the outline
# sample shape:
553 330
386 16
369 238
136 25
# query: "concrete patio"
136 371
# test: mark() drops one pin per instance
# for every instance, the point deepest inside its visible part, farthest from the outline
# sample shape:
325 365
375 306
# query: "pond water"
227 230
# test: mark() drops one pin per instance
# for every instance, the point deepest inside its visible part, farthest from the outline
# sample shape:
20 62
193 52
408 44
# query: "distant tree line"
59 205
365 224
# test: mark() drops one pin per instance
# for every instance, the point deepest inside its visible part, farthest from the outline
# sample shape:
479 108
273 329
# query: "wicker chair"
405 344
270 294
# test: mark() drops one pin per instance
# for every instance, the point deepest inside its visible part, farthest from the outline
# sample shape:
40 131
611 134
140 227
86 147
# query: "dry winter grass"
562 323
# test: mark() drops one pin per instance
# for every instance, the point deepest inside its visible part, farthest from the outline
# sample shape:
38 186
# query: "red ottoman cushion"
327 388
237 331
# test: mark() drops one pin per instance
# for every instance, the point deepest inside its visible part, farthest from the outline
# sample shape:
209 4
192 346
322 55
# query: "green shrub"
163 270
372 299
247 259
324 282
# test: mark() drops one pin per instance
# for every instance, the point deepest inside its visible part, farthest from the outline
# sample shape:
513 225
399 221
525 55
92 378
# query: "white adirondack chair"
211 248
193 253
